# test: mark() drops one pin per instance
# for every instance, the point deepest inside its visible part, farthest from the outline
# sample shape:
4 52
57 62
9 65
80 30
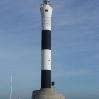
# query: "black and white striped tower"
46 92
46 13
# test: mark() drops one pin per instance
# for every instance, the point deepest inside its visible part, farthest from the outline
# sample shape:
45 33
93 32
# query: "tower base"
46 93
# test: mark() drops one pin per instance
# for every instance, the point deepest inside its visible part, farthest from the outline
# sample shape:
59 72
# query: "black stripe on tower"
46 39
46 79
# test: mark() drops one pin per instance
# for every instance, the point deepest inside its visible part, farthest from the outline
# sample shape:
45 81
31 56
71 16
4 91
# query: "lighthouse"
46 92
46 14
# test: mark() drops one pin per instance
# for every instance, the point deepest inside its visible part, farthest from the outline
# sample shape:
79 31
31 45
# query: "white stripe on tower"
46 13
46 59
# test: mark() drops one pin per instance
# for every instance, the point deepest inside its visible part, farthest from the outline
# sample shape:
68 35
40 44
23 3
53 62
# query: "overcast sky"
75 48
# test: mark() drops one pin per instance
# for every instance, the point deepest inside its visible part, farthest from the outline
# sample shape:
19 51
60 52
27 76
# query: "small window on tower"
46 10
